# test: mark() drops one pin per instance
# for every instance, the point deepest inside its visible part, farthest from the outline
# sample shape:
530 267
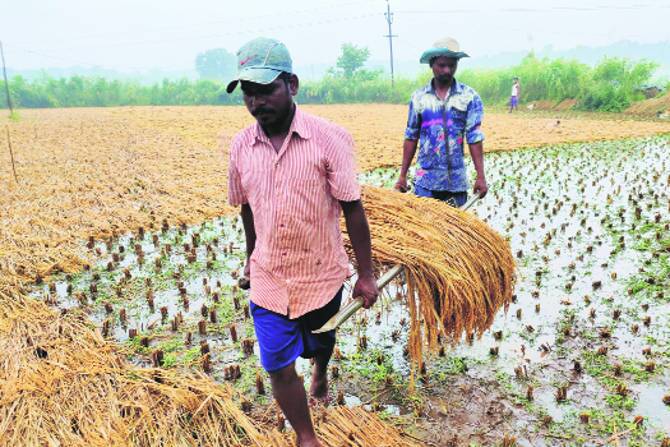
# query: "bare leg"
319 387
289 391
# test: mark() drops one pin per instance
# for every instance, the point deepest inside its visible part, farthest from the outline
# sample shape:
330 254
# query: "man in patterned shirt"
441 115
292 174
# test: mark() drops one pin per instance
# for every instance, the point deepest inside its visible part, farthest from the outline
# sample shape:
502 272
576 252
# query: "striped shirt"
298 263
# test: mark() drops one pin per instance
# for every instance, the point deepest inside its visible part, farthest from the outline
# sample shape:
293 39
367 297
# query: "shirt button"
283 254
281 225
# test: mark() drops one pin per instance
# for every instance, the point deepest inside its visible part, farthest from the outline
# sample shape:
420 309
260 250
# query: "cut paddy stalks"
62 384
115 190
351 427
459 272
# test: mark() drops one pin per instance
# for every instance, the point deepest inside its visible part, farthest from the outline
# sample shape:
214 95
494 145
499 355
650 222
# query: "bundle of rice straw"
350 427
459 272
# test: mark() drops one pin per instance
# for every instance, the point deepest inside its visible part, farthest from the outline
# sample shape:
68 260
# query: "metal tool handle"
470 202
355 304
350 308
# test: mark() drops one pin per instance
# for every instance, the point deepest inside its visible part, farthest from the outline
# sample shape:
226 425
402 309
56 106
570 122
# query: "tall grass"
612 85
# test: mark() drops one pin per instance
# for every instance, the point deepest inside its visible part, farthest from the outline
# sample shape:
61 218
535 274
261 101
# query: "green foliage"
541 79
217 63
363 86
366 366
78 91
612 85
352 59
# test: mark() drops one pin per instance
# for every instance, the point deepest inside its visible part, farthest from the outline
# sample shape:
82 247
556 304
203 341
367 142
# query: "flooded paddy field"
580 358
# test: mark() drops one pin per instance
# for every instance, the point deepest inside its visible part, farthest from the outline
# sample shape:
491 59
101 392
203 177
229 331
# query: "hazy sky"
167 34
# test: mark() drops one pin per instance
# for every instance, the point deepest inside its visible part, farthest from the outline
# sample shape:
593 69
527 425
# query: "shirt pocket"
305 199
302 216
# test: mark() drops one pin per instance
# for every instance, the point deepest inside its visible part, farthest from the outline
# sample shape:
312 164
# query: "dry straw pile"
350 427
653 107
459 272
105 171
98 172
88 173
63 384
379 141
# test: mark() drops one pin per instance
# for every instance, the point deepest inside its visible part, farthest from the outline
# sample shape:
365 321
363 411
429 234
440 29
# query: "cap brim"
256 75
437 52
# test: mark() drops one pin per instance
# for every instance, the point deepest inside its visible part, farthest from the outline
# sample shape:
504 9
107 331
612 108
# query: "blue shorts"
456 199
513 101
281 340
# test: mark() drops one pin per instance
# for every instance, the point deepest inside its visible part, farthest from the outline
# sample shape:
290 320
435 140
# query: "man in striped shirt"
291 173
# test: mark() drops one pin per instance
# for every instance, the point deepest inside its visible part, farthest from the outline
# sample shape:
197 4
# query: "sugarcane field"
335 224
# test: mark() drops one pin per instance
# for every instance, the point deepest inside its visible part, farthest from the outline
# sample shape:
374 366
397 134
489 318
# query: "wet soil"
582 351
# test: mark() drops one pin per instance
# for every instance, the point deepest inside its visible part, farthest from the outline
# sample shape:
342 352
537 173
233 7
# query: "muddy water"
560 211
565 212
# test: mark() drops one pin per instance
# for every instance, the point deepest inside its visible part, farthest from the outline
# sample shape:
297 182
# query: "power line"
389 16
4 74
187 27
389 19
11 112
288 26
260 30
537 10
349 3
49 56
82 63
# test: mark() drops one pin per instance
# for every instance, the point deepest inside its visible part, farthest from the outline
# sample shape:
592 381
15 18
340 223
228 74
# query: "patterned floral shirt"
440 126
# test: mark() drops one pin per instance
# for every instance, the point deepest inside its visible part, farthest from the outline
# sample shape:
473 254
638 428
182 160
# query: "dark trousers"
453 198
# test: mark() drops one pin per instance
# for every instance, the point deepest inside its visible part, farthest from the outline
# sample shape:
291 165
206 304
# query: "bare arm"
359 234
408 151
477 154
250 235
249 229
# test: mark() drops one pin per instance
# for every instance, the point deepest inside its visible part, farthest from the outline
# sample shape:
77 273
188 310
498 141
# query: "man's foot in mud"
311 443
319 388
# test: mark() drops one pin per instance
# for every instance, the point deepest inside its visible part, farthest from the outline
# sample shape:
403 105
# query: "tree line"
611 85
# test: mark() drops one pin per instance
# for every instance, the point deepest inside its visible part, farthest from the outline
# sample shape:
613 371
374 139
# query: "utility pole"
4 73
390 35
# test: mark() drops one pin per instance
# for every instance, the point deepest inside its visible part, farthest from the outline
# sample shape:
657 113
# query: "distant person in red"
516 92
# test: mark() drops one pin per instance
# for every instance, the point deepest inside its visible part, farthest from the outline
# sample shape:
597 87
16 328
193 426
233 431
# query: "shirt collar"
298 126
